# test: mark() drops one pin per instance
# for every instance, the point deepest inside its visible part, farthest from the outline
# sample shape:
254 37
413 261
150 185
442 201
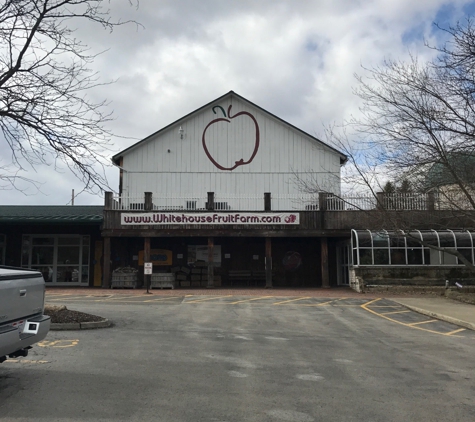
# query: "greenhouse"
416 248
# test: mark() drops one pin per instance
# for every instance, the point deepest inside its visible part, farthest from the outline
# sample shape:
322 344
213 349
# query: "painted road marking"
162 299
456 331
395 312
59 343
292 300
250 300
26 361
422 322
205 299
410 325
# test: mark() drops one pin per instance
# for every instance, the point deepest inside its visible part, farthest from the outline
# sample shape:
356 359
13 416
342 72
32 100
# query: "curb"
80 325
442 317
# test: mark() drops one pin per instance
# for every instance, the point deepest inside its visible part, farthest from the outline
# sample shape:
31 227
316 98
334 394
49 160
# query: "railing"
289 202
221 203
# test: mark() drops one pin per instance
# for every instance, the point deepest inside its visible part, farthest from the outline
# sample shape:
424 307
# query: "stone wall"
364 278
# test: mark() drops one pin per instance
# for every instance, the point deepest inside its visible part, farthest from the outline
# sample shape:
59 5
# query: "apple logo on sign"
229 119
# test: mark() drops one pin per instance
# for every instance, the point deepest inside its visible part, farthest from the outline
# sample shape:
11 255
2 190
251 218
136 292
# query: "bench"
235 276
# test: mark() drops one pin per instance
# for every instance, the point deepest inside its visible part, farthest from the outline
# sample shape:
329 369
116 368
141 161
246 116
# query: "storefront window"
61 259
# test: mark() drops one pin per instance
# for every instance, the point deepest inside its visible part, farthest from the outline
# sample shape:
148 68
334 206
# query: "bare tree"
46 116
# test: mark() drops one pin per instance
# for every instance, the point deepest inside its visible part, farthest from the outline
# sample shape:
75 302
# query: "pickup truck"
22 323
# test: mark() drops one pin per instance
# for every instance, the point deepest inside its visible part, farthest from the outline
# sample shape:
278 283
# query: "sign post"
147 270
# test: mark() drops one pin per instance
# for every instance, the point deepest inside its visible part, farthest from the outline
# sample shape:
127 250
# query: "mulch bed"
63 315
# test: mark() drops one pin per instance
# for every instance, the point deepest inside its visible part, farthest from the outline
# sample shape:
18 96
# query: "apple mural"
228 118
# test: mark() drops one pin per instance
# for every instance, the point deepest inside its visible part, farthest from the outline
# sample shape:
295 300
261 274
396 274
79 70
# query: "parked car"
22 323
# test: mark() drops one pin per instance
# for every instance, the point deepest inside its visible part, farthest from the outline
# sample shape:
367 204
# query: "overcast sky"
295 58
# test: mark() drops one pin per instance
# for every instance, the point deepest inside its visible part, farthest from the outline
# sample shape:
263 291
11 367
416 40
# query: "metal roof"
52 214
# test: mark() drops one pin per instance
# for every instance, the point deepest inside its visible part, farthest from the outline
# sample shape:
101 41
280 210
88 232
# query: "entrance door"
343 251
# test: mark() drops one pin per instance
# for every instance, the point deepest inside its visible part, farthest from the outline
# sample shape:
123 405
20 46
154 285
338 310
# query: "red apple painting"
230 119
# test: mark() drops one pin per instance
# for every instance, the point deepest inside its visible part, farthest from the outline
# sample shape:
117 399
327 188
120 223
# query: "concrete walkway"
448 310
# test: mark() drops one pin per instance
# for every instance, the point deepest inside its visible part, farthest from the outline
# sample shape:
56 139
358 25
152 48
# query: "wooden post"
146 258
108 199
267 201
268 263
324 257
148 201
106 267
431 201
210 203
210 263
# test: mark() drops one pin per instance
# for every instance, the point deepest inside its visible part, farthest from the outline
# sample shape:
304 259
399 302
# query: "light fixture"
181 132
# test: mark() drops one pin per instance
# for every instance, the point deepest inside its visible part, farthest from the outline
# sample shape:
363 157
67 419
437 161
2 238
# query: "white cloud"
294 58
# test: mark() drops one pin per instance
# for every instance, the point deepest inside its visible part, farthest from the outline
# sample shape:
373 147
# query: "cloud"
294 58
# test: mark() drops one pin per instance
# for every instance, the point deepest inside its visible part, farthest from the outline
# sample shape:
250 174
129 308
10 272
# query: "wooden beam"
268 263
324 261
210 263
106 266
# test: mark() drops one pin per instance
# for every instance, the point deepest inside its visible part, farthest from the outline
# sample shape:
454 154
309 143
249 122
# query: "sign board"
157 257
147 267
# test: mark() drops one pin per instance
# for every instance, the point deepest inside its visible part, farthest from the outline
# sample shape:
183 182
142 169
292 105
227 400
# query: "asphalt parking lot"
238 358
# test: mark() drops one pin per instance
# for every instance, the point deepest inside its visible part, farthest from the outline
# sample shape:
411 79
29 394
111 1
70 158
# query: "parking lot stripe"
161 299
203 300
455 331
249 300
291 300
422 322
395 312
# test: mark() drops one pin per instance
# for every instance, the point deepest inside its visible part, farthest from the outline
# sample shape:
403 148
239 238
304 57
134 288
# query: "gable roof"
116 158
52 214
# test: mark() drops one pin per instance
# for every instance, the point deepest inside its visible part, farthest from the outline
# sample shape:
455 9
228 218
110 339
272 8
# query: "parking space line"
422 322
395 312
249 300
161 299
291 300
455 331
324 303
206 299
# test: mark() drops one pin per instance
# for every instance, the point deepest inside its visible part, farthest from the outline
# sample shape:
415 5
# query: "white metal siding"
168 165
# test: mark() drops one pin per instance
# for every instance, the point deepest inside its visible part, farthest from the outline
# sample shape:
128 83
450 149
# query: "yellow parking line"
325 303
455 331
395 312
422 322
208 298
291 300
162 299
112 298
249 300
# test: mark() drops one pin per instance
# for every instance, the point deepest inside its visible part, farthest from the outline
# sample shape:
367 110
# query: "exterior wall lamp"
181 132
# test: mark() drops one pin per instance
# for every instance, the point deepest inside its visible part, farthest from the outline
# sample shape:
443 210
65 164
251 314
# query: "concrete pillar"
106 267
268 263
324 261
210 263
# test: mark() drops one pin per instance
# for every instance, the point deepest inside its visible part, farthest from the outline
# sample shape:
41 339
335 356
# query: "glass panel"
397 242
427 257
25 251
364 238
85 255
434 257
467 253
43 241
413 240
463 240
380 240
365 257
2 239
446 240
414 256
68 255
47 272
448 259
430 238
42 255
381 257
398 256
85 274
67 274
69 240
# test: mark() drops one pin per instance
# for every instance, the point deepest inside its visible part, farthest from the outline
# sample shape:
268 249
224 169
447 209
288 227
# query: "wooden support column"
146 258
210 263
267 201
324 256
106 266
268 263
